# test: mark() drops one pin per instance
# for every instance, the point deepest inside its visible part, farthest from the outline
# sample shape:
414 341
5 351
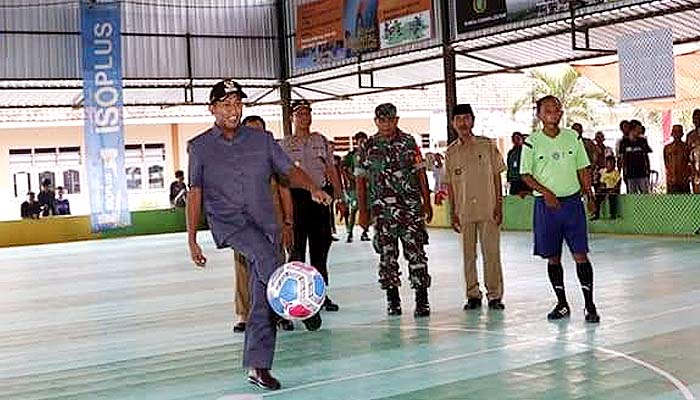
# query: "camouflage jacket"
391 167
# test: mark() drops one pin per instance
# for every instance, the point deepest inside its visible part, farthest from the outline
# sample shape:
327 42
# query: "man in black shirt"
30 208
47 199
634 151
517 186
178 190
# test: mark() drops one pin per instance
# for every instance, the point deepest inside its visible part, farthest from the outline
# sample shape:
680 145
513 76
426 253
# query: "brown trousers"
489 237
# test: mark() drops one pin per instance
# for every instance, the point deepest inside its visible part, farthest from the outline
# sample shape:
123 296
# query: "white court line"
688 395
395 369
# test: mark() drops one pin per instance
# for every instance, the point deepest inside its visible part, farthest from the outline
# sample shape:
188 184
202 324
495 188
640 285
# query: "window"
145 158
133 178
22 183
156 179
425 140
49 176
71 181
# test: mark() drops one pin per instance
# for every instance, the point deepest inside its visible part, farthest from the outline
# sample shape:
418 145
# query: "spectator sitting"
47 199
178 190
30 208
62 205
609 188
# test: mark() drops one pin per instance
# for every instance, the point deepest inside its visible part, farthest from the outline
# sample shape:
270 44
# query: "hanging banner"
334 30
404 21
103 101
476 14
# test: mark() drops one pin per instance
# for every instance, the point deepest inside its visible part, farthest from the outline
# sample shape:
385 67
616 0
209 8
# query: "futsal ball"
296 291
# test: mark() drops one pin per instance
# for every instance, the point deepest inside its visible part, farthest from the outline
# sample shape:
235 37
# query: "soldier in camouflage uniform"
391 166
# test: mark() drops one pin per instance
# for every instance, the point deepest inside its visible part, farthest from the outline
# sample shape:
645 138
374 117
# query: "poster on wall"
404 21
334 30
104 127
476 14
319 34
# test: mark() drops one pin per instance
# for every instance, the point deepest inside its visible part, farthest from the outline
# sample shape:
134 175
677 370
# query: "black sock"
585 277
556 277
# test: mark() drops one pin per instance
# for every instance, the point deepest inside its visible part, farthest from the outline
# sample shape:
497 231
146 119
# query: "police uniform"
471 167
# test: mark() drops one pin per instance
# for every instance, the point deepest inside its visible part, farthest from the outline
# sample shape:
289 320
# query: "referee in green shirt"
554 164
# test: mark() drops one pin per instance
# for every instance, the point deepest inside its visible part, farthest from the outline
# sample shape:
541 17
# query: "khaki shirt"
311 153
470 169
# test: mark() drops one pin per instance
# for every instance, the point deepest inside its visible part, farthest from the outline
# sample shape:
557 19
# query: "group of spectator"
48 203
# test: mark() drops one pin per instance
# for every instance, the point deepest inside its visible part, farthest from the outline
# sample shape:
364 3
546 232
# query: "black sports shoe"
365 237
559 312
329 305
313 323
349 240
592 316
239 327
286 325
496 304
263 379
472 304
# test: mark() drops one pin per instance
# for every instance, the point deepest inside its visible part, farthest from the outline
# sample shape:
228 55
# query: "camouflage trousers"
411 231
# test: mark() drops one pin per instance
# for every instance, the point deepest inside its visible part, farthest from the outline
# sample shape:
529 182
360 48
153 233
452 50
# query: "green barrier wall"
675 215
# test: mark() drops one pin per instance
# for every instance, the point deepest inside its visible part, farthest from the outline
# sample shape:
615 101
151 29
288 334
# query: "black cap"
462 109
223 89
386 110
299 104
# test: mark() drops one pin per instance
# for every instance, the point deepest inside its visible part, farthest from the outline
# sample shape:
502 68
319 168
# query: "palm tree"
576 99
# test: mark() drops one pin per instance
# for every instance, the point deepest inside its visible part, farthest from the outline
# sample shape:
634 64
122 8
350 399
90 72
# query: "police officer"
311 152
392 168
229 172
474 167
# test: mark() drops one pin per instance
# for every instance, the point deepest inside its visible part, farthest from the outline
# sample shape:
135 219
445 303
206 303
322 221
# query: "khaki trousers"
242 287
489 236
242 283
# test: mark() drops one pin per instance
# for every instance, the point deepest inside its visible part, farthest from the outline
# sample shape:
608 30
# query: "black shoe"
472 304
262 378
313 323
559 312
365 237
496 304
329 305
393 300
592 316
286 325
334 238
595 218
349 240
239 327
422 304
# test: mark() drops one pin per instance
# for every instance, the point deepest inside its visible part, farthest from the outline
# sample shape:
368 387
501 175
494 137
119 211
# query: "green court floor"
131 319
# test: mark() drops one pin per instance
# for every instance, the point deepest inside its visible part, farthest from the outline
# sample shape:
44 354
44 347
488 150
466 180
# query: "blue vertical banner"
103 101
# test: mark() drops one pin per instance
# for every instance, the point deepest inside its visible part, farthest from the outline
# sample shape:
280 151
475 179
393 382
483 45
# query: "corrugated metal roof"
236 38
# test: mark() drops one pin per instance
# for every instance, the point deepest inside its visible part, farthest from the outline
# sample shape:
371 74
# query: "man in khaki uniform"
474 167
